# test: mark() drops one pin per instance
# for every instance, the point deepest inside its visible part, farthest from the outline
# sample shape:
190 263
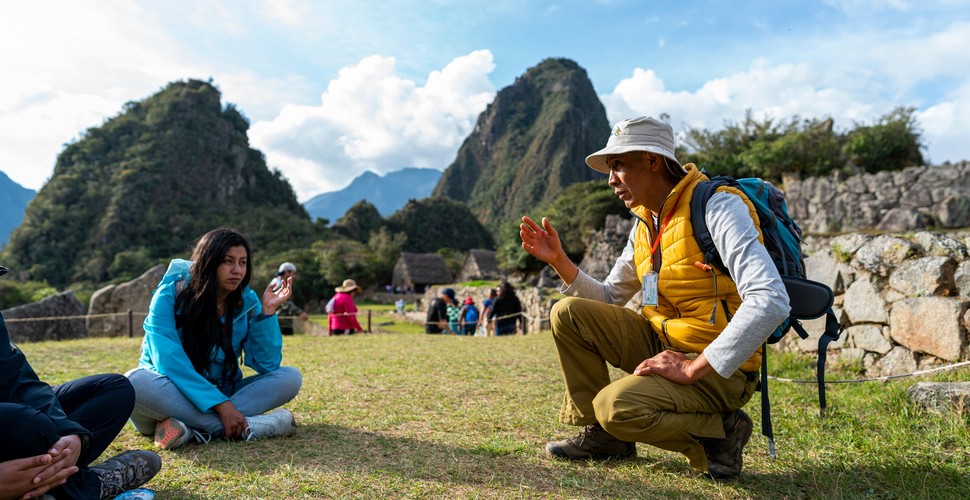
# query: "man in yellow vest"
692 344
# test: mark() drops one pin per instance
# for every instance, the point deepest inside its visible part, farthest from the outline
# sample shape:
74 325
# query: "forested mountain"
387 193
13 203
146 184
529 144
436 223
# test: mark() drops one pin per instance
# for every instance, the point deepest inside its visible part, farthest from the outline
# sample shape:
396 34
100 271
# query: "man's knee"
622 417
562 313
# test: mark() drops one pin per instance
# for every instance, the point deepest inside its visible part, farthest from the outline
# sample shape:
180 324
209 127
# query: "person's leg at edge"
101 404
670 416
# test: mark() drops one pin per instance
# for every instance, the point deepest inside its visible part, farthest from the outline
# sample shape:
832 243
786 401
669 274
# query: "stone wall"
911 199
904 298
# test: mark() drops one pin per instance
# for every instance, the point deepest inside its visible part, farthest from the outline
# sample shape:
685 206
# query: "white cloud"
779 91
60 80
371 119
945 127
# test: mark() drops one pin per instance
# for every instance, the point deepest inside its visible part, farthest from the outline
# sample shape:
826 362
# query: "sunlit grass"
431 416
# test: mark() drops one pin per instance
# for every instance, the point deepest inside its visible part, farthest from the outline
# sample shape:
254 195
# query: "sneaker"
171 433
592 442
724 455
126 471
279 422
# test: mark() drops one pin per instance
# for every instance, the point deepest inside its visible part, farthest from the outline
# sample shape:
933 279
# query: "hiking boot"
171 433
126 471
724 455
279 422
592 442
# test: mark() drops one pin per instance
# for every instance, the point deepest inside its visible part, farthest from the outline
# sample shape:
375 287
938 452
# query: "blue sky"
333 89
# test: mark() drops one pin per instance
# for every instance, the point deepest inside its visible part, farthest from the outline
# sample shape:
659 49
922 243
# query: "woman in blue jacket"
202 319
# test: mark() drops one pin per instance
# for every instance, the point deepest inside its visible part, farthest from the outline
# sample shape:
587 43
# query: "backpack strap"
698 209
766 429
833 330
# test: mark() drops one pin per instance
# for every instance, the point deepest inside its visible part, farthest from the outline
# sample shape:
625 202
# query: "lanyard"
653 248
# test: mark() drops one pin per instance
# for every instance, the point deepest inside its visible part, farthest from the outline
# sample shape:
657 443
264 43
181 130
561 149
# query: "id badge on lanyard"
648 294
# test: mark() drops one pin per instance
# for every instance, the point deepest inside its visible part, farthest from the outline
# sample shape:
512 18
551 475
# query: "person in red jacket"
343 317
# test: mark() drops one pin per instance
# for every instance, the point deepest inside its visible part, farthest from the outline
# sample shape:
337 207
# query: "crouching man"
694 346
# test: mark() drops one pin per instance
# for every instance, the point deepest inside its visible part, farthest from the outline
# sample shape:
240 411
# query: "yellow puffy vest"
686 293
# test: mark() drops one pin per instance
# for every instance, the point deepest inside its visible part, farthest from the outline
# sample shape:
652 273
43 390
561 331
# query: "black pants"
99 403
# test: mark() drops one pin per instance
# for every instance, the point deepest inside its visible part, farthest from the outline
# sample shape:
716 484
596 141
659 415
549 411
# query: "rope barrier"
56 318
877 379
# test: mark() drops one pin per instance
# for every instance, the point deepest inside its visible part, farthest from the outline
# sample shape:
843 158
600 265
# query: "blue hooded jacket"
254 335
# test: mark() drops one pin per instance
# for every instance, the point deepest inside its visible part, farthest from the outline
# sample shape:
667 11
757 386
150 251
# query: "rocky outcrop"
57 317
604 246
907 200
941 396
108 310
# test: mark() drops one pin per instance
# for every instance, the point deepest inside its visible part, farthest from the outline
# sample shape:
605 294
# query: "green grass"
430 416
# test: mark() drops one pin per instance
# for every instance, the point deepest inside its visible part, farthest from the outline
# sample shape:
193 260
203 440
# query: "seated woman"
203 316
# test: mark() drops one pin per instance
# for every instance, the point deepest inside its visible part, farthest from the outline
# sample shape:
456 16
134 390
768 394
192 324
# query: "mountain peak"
388 193
529 144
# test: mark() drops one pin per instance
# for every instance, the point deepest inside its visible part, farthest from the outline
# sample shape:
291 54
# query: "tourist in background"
203 317
287 271
506 312
468 317
487 310
437 318
454 317
343 313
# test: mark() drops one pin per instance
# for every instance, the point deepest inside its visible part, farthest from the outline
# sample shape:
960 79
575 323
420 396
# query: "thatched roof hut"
479 265
420 270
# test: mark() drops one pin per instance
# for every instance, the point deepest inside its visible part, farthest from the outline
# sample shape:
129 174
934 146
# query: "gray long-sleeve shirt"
764 300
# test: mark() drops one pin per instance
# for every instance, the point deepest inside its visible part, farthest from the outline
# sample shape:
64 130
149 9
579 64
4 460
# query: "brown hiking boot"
592 443
724 455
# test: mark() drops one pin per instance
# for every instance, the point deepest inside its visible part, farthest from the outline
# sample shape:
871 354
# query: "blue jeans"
157 398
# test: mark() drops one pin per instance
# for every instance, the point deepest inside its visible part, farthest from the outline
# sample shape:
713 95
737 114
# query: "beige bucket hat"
635 134
348 286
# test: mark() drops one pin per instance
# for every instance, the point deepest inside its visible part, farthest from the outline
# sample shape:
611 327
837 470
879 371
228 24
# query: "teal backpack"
782 238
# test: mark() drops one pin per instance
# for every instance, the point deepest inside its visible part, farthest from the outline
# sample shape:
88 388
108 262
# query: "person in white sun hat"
692 350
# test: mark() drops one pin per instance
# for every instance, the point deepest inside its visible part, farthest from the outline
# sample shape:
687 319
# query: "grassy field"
419 416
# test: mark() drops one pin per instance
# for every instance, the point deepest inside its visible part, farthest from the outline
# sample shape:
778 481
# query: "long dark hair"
196 310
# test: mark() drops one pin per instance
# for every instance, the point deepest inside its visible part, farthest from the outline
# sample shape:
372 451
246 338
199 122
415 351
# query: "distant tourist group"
501 313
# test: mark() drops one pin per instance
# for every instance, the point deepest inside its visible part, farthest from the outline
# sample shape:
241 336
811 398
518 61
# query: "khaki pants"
648 409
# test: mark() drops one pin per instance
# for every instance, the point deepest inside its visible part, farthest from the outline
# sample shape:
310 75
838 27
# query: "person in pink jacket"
343 317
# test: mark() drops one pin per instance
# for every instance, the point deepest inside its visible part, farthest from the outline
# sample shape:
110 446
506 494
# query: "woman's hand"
233 421
272 300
